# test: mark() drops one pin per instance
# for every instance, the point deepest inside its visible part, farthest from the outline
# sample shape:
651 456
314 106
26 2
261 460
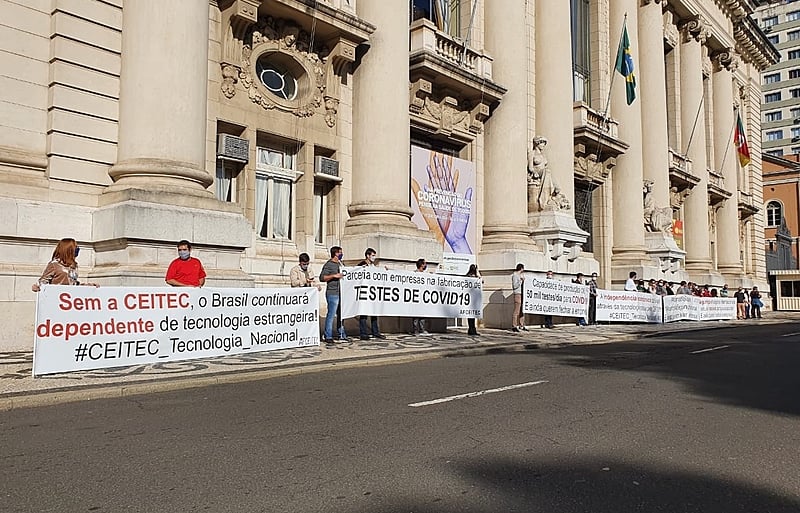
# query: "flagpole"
696 119
727 146
613 75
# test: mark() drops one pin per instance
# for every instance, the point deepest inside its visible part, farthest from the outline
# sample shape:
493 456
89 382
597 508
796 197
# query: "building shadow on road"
594 485
755 370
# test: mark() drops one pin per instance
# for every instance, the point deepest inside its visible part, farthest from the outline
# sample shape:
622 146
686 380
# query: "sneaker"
329 341
364 337
523 328
515 329
380 336
424 333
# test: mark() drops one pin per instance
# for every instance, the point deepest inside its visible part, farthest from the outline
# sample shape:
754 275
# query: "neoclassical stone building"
260 129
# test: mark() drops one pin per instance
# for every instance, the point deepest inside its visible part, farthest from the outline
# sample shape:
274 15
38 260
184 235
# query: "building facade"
260 129
780 109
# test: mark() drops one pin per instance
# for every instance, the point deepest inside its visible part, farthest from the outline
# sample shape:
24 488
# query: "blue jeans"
333 307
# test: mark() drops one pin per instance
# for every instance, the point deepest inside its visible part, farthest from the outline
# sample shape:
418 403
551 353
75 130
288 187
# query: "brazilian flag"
625 65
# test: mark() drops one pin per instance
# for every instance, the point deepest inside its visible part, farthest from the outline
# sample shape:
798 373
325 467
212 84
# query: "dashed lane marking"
709 349
476 394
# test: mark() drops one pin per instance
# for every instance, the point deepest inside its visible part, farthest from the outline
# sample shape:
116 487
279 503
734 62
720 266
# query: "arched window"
774 213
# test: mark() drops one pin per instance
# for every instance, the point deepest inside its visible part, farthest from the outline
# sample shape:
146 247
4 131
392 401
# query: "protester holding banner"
579 281
62 268
418 323
548 319
740 302
472 273
370 256
630 283
331 274
185 271
593 299
517 281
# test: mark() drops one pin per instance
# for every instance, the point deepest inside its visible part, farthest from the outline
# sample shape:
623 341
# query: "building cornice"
753 45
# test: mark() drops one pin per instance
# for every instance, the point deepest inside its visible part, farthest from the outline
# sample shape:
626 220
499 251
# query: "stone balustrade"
425 36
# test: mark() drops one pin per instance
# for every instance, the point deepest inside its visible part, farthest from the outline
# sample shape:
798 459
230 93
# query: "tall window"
772 97
446 14
275 176
774 135
772 78
320 210
226 180
774 213
583 212
581 51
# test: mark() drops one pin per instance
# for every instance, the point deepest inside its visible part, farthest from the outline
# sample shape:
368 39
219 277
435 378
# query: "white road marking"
476 394
791 334
709 349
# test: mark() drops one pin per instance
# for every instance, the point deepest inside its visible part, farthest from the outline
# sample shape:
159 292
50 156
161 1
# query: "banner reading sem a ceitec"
694 308
375 291
553 297
82 328
442 191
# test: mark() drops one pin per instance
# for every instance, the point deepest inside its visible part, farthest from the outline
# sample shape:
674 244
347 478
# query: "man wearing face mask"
370 255
185 271
331 274
301 275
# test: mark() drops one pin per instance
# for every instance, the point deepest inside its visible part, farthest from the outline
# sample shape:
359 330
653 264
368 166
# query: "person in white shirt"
630 283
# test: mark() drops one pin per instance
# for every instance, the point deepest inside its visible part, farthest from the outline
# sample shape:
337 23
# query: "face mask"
183 254
77 250
371 258
304 266
340 256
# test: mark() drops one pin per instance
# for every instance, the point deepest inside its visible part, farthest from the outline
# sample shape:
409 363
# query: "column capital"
726 59
695 28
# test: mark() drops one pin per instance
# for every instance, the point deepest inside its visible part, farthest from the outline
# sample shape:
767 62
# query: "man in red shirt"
185 271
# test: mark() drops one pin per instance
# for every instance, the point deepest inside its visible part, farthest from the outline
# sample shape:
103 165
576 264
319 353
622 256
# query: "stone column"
698 250
728 259
628 250
655 147
505 225
554 226
163 97
380 211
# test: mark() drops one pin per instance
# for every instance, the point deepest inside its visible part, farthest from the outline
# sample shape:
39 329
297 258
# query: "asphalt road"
698 422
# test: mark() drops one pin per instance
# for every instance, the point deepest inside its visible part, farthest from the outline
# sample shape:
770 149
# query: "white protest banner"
553 297
371 291
681 307
615 305
716 308
82 328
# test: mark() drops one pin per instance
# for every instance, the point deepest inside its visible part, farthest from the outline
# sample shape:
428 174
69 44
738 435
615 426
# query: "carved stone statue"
543 192
656 219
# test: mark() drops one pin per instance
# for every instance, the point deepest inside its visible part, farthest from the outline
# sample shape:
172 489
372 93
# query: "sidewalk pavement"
18 388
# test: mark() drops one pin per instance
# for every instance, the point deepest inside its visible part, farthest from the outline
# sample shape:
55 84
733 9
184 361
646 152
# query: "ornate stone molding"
671 32
694 29
725 59
279 36
656 219
588 167
446 114
678 196
544 193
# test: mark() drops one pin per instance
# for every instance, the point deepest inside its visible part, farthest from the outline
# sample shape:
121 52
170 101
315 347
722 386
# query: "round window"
278 79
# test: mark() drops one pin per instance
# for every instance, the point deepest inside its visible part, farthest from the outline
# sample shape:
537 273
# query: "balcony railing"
716 179
583 115
679 162
425 36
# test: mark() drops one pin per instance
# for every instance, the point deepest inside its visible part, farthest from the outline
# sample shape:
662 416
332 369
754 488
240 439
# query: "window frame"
775 115
773 97
793 15
774 210
271 173
792 55
773 135
772 78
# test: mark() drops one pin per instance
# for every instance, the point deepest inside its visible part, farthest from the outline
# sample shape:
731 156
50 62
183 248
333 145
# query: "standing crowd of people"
187 271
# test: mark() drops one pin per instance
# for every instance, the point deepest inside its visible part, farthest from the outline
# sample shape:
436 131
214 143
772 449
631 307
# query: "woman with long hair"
472 273
62 269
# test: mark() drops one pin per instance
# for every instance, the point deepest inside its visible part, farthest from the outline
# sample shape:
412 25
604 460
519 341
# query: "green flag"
625 65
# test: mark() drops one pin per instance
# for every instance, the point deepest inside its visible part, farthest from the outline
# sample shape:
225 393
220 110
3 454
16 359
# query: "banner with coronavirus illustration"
82 328
443 192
